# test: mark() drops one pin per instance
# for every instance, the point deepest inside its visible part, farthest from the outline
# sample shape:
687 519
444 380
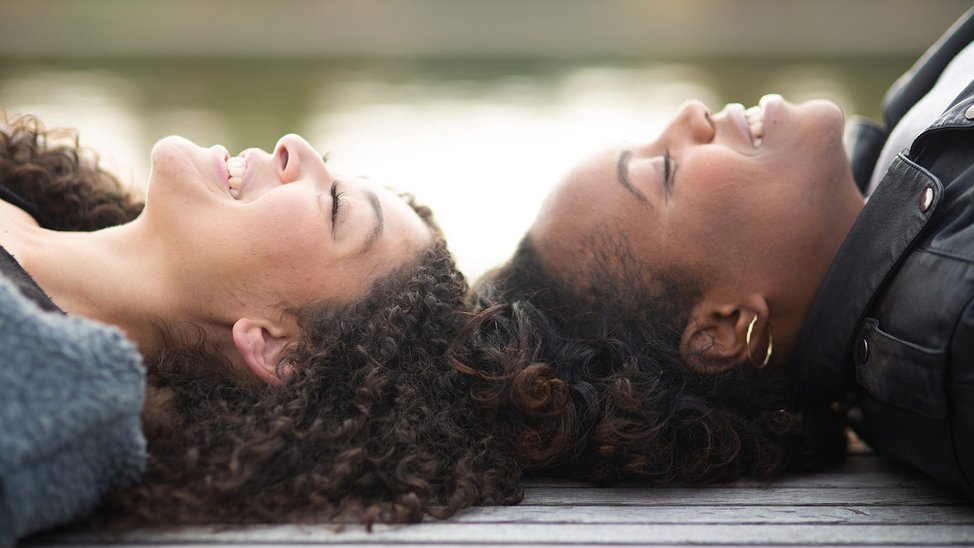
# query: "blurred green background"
476 107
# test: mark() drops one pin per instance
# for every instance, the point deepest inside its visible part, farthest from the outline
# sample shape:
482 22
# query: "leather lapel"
890 222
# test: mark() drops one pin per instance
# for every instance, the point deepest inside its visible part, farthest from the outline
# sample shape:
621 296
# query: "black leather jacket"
892 326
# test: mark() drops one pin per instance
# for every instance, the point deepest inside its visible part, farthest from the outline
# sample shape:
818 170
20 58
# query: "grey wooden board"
868 501
583 534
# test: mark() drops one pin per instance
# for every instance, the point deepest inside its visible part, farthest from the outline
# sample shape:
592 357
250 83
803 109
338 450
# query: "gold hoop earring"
747 341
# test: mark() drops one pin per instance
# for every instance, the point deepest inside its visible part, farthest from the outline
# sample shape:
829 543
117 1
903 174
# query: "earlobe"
260 346
715 337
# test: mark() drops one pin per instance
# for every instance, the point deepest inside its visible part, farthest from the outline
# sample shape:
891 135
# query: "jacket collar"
890 222
887 227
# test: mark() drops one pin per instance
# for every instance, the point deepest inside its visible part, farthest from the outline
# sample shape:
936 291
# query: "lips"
736 112
754 121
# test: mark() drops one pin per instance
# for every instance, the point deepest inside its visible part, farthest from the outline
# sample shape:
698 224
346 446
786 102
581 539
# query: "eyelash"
336 202
667 170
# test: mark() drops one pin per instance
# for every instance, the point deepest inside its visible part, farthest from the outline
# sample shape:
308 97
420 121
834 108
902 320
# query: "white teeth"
755 121
236 166
235 170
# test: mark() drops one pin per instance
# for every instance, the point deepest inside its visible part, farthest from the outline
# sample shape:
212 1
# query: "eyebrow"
379 221
622 174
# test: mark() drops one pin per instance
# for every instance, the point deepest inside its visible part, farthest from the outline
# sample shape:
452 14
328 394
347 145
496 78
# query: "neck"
792 296
111 275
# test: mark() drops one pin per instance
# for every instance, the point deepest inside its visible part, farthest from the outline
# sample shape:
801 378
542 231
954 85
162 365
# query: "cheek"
719 190
290 252
719 213
288 234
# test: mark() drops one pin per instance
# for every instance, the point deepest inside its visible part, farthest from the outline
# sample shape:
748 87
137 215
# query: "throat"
107 275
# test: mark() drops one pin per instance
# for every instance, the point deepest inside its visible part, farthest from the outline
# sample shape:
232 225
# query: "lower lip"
770 106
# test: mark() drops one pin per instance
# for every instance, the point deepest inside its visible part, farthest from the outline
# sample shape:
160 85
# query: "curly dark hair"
582 375
50 169
372 424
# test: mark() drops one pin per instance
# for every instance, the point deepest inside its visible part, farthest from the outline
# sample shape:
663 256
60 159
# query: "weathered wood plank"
868 500
569 533
858 480
717 496
859 515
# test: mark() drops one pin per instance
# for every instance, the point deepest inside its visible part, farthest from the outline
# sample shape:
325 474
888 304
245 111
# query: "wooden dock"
868 501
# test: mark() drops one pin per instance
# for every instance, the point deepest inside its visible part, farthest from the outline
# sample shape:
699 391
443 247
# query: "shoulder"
71 390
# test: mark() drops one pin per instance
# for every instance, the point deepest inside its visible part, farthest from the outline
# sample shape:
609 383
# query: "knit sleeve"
71 391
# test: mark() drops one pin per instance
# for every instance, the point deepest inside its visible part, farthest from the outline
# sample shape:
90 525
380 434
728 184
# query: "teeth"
235 170
236 166
755 121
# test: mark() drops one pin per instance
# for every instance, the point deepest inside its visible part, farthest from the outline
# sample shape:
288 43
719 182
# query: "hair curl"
371 424
582 375
48 168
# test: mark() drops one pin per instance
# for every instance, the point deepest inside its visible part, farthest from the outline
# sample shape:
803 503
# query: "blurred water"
479 141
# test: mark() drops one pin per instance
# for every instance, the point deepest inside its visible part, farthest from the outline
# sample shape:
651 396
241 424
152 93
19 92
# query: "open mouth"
236 166
755 122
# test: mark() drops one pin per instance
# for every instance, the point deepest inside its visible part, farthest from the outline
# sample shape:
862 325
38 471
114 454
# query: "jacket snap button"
969 114
863 350
927 199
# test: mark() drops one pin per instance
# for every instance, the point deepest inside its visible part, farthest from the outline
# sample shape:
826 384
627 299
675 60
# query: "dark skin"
755 203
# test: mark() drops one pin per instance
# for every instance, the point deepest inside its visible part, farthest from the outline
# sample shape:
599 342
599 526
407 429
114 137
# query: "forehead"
587 211
404 228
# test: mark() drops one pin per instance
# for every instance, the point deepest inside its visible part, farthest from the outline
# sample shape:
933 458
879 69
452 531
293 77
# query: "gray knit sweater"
70 394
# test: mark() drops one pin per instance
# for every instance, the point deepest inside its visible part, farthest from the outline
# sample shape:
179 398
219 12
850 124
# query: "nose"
295 158
693 122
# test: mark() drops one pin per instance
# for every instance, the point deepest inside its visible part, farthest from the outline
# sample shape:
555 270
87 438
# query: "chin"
169 156
825 129
176 163
827 112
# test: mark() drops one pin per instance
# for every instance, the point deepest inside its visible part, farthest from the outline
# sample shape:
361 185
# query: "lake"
479 140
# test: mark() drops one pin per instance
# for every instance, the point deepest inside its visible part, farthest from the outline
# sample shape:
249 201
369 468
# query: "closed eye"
337 203
667 172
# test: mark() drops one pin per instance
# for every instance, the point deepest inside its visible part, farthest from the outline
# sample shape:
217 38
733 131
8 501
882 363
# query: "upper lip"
223 154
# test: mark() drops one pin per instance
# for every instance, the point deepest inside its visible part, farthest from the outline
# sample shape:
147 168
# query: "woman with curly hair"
292 323
722 301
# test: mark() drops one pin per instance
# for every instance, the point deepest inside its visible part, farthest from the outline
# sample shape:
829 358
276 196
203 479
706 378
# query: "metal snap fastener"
927 199
863 350
969 114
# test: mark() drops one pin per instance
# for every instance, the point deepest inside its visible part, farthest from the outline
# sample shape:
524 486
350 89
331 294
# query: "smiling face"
755 200
290 233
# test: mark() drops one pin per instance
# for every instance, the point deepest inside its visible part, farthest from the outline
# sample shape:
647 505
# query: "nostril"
284 158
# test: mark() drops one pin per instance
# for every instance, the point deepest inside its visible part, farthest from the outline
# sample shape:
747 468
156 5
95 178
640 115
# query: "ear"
715 337
260 343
